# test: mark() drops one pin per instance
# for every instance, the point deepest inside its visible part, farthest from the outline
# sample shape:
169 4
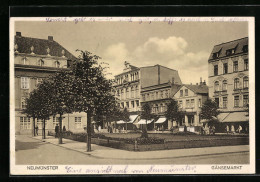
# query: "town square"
121 92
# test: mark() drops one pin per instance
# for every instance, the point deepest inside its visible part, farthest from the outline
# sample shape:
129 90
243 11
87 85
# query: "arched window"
216 86
57 64
245 82
224 85
161 107
236 83
41 62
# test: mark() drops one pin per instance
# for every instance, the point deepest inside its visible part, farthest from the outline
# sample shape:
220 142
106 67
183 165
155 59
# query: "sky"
183 46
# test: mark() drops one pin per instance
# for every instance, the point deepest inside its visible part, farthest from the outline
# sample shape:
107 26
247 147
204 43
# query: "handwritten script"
140 20
110 169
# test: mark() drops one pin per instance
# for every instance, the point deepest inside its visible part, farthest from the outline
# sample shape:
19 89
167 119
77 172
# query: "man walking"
56 130
36 129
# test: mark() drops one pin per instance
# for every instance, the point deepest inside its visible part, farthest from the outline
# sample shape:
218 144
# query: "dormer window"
245 48
41 62
215 55
230 52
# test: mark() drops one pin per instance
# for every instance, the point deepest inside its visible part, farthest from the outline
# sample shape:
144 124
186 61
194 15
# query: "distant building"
228 67
190 99
34 60
136 80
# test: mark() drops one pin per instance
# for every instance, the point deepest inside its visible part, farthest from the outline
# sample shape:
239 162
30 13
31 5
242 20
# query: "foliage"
172 113
209 110
146 114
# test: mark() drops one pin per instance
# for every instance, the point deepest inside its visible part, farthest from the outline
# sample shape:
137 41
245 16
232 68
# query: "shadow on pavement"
19 145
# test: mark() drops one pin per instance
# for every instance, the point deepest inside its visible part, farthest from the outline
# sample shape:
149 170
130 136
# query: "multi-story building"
34 60
229 82
133 80
190 99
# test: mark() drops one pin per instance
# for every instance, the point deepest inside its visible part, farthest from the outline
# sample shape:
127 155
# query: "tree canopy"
209 110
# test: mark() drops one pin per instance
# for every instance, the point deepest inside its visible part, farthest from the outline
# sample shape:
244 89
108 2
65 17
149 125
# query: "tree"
146 114
172 112
125 116
31 108
61 95
209 111
92 90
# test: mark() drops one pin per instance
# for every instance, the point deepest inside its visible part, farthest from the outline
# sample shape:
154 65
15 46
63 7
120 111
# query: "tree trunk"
44 136
88 131
33 133
60 129
144 133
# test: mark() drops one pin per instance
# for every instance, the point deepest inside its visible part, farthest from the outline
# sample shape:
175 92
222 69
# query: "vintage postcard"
132 95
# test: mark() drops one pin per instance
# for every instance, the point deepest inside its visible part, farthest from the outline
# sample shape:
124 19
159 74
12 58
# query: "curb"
174 157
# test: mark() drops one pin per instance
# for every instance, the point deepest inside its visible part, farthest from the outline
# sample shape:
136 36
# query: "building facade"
34 60
228 68
190 99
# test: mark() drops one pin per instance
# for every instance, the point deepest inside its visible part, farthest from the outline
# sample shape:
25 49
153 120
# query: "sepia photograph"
123 95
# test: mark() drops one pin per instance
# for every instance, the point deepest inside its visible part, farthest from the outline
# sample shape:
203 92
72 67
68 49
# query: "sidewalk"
111 153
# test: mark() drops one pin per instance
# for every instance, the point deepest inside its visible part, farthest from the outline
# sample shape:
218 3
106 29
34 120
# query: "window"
161 107
230 51
23 103
132 104
235 66
246 64
217 101
245 82
24 82
215 70
192 103
224 102
127 104
136 91
122 105
38 81
156 108
215 55
216 86
156 97
224 85
200 103
187 103
55 122
180 103
147 96
143 95
166 94
41 62
132 92
181 93
245 100
24 60
127 93
161 94
78 122
236 101
57 64
25 123
225 68
137 103
245 48
186 92
236 83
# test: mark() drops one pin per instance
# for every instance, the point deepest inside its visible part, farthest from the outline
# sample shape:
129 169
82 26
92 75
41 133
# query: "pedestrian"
213 130
227 129
56 130
99 128
36 129
64 128
240 129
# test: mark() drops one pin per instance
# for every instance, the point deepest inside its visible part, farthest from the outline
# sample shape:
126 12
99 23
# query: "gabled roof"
175 89
198 89
41 46
222 48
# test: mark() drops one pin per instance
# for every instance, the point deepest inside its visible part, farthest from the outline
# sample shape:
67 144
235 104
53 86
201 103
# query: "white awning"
236 117
132 118
161 120
143 121
120 122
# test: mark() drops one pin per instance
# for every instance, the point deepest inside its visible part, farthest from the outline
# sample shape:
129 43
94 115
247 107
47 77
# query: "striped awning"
143 121
236 117
132 118
161 120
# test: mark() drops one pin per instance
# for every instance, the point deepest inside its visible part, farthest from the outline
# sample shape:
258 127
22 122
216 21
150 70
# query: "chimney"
204 83
191 83
50 38
197 84
172 80
19 34
200 80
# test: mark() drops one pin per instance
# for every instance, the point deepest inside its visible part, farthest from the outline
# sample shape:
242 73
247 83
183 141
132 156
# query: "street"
30 151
